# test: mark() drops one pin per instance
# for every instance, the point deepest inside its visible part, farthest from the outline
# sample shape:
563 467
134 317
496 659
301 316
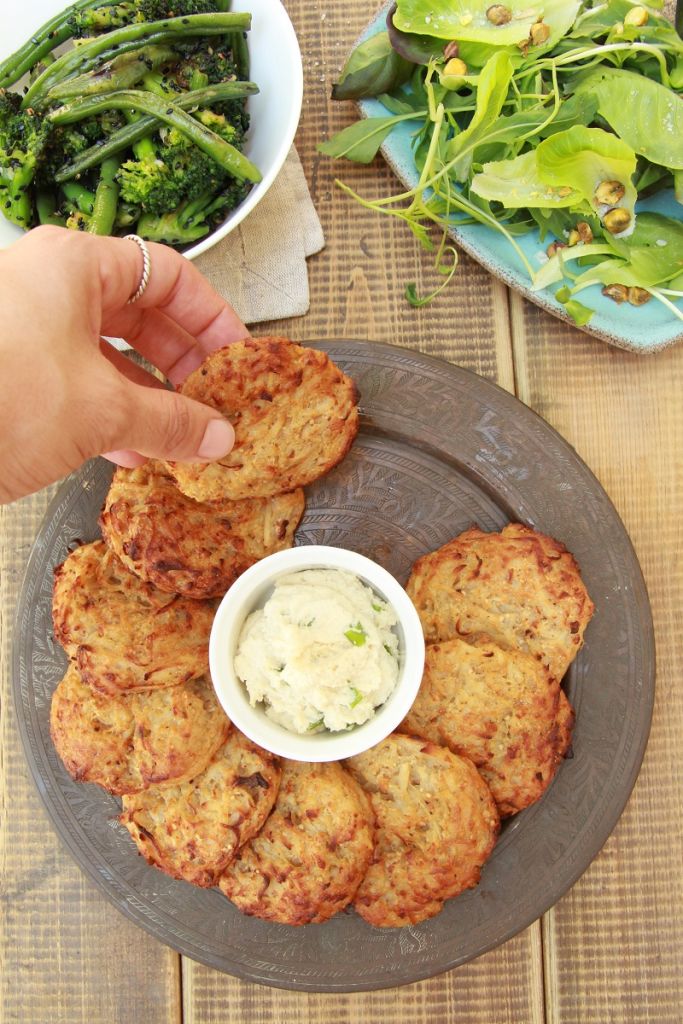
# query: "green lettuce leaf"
493 85
645 114
516 183
466 20
373 67
361 141
581 158
580 314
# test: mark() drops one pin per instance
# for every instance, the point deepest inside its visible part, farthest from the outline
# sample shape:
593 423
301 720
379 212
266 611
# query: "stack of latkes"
396 830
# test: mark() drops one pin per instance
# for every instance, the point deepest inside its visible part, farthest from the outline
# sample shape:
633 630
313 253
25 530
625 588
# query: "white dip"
321 653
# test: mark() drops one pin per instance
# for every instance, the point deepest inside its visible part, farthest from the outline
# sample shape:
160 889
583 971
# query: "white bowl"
276 68
249 592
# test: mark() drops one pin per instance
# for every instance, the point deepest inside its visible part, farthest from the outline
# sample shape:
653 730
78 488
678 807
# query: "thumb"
162 424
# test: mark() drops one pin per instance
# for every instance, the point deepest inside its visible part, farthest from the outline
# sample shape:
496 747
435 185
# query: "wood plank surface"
504 985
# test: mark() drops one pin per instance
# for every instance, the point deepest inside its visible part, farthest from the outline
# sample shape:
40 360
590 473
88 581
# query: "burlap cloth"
260 268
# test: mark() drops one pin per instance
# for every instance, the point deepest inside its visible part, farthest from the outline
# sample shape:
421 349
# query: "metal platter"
439 449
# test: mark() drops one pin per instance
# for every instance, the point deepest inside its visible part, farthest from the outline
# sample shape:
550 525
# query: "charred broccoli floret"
23 143
167 174
115 15
215 62
101 19
193 219
153 10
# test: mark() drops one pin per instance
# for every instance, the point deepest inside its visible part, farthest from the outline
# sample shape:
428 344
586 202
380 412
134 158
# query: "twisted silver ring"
146 268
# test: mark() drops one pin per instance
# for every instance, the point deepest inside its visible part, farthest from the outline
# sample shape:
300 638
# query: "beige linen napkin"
260 268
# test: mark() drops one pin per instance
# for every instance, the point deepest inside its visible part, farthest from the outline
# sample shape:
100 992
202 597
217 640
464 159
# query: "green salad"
137 126
554 117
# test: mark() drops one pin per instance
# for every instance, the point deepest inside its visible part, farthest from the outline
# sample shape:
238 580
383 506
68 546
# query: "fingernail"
219 437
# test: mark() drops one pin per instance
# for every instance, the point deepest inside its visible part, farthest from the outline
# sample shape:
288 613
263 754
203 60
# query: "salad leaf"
466 20
562 171
575 110
554 270
580 314
415 48
603 17
361 141
582 158
374 67
516 183
533 121
608 20
492 89
647 115
654 251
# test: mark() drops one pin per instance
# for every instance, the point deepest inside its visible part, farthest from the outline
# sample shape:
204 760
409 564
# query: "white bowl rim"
256 194
239 601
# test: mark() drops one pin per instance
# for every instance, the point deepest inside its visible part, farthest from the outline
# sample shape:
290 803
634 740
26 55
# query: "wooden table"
612 949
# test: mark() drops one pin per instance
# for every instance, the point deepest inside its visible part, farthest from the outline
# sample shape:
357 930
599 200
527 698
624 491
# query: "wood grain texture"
66 956
505 985
614 945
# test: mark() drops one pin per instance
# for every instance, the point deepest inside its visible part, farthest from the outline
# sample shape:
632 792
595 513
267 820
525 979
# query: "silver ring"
146 267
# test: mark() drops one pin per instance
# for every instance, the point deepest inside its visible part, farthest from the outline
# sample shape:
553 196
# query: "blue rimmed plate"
641 329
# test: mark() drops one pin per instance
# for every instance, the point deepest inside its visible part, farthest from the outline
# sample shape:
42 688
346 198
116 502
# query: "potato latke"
187 547
294 412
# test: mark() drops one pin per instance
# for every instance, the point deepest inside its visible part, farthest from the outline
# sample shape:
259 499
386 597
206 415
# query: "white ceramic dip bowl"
250 592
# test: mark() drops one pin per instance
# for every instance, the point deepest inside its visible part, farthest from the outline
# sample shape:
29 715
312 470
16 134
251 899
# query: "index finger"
176 288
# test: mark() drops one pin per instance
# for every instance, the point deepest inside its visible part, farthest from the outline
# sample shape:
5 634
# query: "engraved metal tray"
439 449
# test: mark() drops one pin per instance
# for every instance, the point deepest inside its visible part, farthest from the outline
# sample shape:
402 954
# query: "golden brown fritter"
122 633
133 741
437 824
518 588
308 860
187 547
498 708
294 412
193 831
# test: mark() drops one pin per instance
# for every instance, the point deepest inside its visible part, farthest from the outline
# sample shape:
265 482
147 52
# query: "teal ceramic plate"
641 329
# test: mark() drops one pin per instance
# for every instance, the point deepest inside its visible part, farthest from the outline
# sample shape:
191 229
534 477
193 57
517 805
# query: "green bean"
126 39
106 199
225 155
240 52
46 207
47 38
120 73
80 197
132 133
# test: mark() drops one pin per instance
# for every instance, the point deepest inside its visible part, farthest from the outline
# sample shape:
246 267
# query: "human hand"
65 393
